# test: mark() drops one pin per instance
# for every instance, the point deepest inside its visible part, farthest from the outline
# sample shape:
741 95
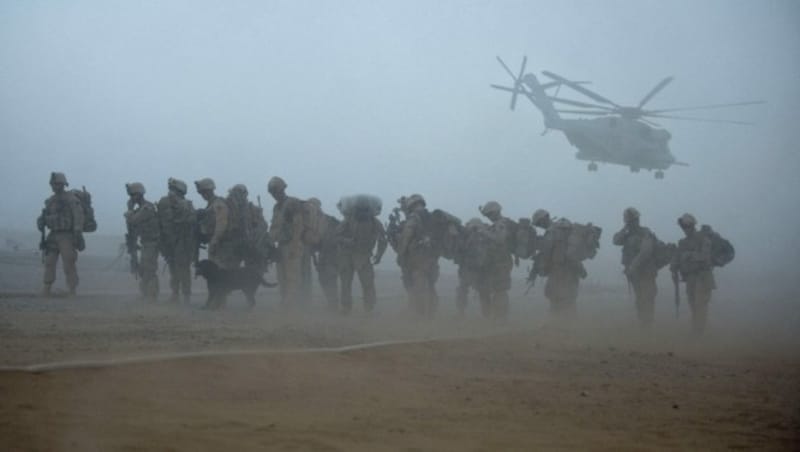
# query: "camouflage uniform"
554 261
638 258
416 251
143 223
393 232
357 236
286 230
63 216
221 246
692 262
502 232
472 260
325 258
247 227
177 218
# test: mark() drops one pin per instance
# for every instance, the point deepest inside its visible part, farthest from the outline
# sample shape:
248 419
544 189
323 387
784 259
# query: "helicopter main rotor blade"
552 84
576 103
502 63
655 91
707 107
579 88
687 118
585 112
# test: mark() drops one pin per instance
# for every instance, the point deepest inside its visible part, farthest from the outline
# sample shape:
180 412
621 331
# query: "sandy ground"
271 381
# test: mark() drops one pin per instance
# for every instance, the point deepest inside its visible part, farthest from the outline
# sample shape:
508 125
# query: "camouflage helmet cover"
539 215
176 184
630 214
58 178
238 189
474 223
415 199
687 220
490 207
205 184
135 188
276 183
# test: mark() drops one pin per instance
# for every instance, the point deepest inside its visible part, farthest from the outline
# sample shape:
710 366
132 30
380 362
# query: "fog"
392 98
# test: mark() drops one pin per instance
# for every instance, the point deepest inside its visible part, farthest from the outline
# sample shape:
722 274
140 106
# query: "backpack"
348 205
476 247
722 251
662 252
314 223
445 232
85 198
583 241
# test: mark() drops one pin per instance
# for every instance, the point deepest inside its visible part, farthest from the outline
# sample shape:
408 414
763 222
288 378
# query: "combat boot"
47 290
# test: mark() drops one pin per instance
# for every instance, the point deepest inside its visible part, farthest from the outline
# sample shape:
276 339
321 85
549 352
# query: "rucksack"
348 205
445 232
583 241
662 252
722 251
85 198
476 247
314 223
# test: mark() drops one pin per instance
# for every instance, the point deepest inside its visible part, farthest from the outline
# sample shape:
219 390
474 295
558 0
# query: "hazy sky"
391 98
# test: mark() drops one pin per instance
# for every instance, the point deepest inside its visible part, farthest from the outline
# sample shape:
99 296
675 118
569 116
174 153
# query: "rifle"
43 245
676 283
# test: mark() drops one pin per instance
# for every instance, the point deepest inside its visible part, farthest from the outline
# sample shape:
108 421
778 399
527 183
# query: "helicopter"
619 135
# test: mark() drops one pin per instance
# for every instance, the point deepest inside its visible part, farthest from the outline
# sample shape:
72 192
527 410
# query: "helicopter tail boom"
528 85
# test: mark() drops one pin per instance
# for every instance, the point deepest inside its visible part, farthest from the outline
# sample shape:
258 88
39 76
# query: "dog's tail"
266 283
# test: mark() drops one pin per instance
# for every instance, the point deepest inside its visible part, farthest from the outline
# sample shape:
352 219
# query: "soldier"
246 224
692 263
63 216
358 236
416 251
143 224
503 232
639 261
176 216
393 231
473 261
325 258
287 232
221 247
554 261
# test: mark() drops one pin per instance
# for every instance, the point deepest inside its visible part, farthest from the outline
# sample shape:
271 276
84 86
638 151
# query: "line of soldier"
236 234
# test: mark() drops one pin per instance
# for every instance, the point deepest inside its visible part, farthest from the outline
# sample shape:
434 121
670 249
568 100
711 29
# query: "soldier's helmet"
474 223
58 178
238 190
413 200
177 184
539 215
490 208
630 214
135 188
687 220
205 184
276 184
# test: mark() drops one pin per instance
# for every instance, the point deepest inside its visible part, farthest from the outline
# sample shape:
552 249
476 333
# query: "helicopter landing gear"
634 169
593 166
659 174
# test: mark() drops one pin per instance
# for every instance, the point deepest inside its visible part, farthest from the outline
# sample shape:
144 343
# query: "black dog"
221 282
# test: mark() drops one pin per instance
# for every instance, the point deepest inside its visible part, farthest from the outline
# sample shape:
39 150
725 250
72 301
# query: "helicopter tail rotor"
518 86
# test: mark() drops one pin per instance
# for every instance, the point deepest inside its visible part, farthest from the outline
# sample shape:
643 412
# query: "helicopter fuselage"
618 140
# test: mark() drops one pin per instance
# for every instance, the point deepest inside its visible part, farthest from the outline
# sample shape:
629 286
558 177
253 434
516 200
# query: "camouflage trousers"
561 289
352 264
423 272
472 278
645 291
698 291
290 273
148 270
180 272
61 244
328 275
